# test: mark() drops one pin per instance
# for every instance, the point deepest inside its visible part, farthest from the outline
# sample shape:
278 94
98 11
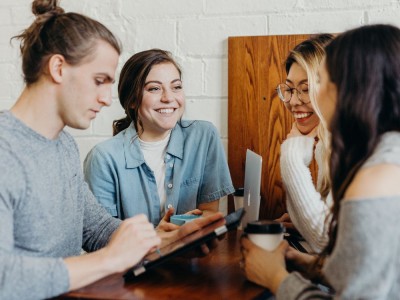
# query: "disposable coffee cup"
265 234
238 197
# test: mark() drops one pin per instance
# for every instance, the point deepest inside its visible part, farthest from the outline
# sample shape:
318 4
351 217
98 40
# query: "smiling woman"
308 204
156 163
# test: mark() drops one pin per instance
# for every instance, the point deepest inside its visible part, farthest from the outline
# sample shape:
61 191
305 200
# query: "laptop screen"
252 187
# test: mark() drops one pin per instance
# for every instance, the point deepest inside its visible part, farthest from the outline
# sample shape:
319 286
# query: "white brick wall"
196 32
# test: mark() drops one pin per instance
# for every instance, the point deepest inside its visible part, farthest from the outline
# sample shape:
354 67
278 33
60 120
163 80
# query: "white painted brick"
10 3
209 36
161 8
192 76
216 78
213 110
16 89
7 32
314 22
243 7
103 10
130 32
344 4
386 16
155 34
102 125
5 16
22 15
9 72
78 6
5 104
86 144
9 54
117 27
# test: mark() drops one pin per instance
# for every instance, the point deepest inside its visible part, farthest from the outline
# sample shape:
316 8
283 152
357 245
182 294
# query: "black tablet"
186 243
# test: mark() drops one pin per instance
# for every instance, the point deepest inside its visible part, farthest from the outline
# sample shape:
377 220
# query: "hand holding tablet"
190 235
183 219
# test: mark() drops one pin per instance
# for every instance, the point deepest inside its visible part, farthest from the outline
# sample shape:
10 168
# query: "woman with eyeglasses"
307 205
359 98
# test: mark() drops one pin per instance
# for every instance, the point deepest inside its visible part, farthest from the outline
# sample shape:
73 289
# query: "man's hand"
133 239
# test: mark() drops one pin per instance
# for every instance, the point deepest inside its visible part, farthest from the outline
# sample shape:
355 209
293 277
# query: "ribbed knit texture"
305 205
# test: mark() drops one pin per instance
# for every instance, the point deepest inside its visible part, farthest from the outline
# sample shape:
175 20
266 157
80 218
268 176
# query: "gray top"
47 211
365 263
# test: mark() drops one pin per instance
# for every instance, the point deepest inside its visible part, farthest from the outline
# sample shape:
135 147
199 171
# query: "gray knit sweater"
47 211
365 263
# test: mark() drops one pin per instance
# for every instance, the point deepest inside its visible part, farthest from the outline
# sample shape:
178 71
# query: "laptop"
252 187
186 243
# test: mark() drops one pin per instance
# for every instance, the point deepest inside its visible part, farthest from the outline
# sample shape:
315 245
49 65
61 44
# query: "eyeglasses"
285 92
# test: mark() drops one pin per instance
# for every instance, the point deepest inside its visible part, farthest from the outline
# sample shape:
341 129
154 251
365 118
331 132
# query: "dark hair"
72 35
364 65
131 84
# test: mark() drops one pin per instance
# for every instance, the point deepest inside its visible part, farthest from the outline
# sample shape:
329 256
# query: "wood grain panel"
257 118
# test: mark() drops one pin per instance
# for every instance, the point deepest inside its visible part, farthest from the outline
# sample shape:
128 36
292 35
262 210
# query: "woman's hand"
196 212
165 223
266 268
190 227
286 221
299 261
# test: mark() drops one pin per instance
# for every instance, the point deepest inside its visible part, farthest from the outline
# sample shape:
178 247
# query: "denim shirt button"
170 185
171 165
168 156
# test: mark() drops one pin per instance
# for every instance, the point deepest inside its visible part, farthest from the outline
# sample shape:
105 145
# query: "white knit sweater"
305 205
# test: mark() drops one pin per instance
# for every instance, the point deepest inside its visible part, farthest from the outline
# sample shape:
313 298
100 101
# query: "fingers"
204 249
165 226
246 243
168 214
194 212
209 219
283 218
283 246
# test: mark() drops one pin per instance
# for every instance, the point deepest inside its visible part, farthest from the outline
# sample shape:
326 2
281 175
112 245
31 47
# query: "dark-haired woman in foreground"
360 85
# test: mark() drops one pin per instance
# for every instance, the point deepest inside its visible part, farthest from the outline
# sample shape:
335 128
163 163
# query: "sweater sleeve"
296 287
306 208
23 277
365 261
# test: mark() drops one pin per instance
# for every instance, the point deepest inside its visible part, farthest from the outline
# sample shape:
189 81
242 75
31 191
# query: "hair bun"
40 7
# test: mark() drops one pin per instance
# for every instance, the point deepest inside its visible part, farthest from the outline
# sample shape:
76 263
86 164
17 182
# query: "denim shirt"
196 172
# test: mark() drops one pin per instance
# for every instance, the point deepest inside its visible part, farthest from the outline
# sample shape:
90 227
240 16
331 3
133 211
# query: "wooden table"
216 276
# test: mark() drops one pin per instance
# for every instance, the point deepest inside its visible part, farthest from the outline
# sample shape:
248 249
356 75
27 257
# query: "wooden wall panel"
257 118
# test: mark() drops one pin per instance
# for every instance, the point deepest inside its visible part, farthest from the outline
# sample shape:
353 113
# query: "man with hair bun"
47 212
